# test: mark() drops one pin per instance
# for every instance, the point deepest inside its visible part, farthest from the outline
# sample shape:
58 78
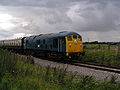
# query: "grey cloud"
98 19
20 2
52 15
46 3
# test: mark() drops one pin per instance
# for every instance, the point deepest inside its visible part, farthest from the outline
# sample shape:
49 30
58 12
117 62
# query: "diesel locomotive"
61 45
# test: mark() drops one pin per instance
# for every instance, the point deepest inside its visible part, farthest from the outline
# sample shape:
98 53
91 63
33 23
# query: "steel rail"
97 67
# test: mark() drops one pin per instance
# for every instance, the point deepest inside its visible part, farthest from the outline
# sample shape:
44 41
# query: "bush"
17 73
101 56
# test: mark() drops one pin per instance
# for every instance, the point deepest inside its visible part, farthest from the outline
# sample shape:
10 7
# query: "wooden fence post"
108 46
118 52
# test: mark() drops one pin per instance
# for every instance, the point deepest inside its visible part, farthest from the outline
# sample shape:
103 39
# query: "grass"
19 73
16 73
102 54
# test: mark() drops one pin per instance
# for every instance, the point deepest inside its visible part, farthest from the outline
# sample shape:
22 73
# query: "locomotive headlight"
80 44
75 41
69 44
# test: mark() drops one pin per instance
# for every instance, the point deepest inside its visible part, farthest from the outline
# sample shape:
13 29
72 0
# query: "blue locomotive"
60 45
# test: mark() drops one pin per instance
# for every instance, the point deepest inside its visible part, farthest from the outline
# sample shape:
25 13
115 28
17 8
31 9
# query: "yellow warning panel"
74 43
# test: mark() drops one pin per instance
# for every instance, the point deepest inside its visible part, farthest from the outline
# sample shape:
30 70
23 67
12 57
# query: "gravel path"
98 74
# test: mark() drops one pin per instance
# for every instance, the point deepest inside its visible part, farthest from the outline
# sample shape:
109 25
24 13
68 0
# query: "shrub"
17 73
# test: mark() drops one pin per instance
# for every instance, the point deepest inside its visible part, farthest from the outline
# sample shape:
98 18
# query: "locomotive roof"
60 34
53 35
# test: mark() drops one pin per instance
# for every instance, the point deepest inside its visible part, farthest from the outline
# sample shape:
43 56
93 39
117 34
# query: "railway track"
98 72
92 66
97 67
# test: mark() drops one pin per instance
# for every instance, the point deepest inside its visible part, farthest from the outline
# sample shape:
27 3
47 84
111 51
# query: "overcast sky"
93 19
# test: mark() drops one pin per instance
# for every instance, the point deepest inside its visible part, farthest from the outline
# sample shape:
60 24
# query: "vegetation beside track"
20 73
108 55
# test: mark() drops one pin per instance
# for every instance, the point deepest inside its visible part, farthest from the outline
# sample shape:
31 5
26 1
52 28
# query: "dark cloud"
45 3
43 16
20 2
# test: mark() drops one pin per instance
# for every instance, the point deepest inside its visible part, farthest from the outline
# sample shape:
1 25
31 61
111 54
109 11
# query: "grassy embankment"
102 54
19 73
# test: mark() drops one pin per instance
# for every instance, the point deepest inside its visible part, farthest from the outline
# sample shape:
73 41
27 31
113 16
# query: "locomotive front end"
74 46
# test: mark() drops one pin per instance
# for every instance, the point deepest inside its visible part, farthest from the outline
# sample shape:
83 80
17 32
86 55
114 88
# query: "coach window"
69 38
55 43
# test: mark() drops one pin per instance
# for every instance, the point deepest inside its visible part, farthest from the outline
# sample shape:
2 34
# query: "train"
61 45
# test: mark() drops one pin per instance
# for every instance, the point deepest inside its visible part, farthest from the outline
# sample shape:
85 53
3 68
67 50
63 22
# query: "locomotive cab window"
75 36
79 38
69 38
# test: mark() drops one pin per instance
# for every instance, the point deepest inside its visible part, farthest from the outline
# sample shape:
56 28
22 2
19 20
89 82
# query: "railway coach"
12 44
61 45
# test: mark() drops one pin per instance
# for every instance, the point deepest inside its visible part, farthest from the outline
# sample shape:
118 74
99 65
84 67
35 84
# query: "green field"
102 54
20 73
